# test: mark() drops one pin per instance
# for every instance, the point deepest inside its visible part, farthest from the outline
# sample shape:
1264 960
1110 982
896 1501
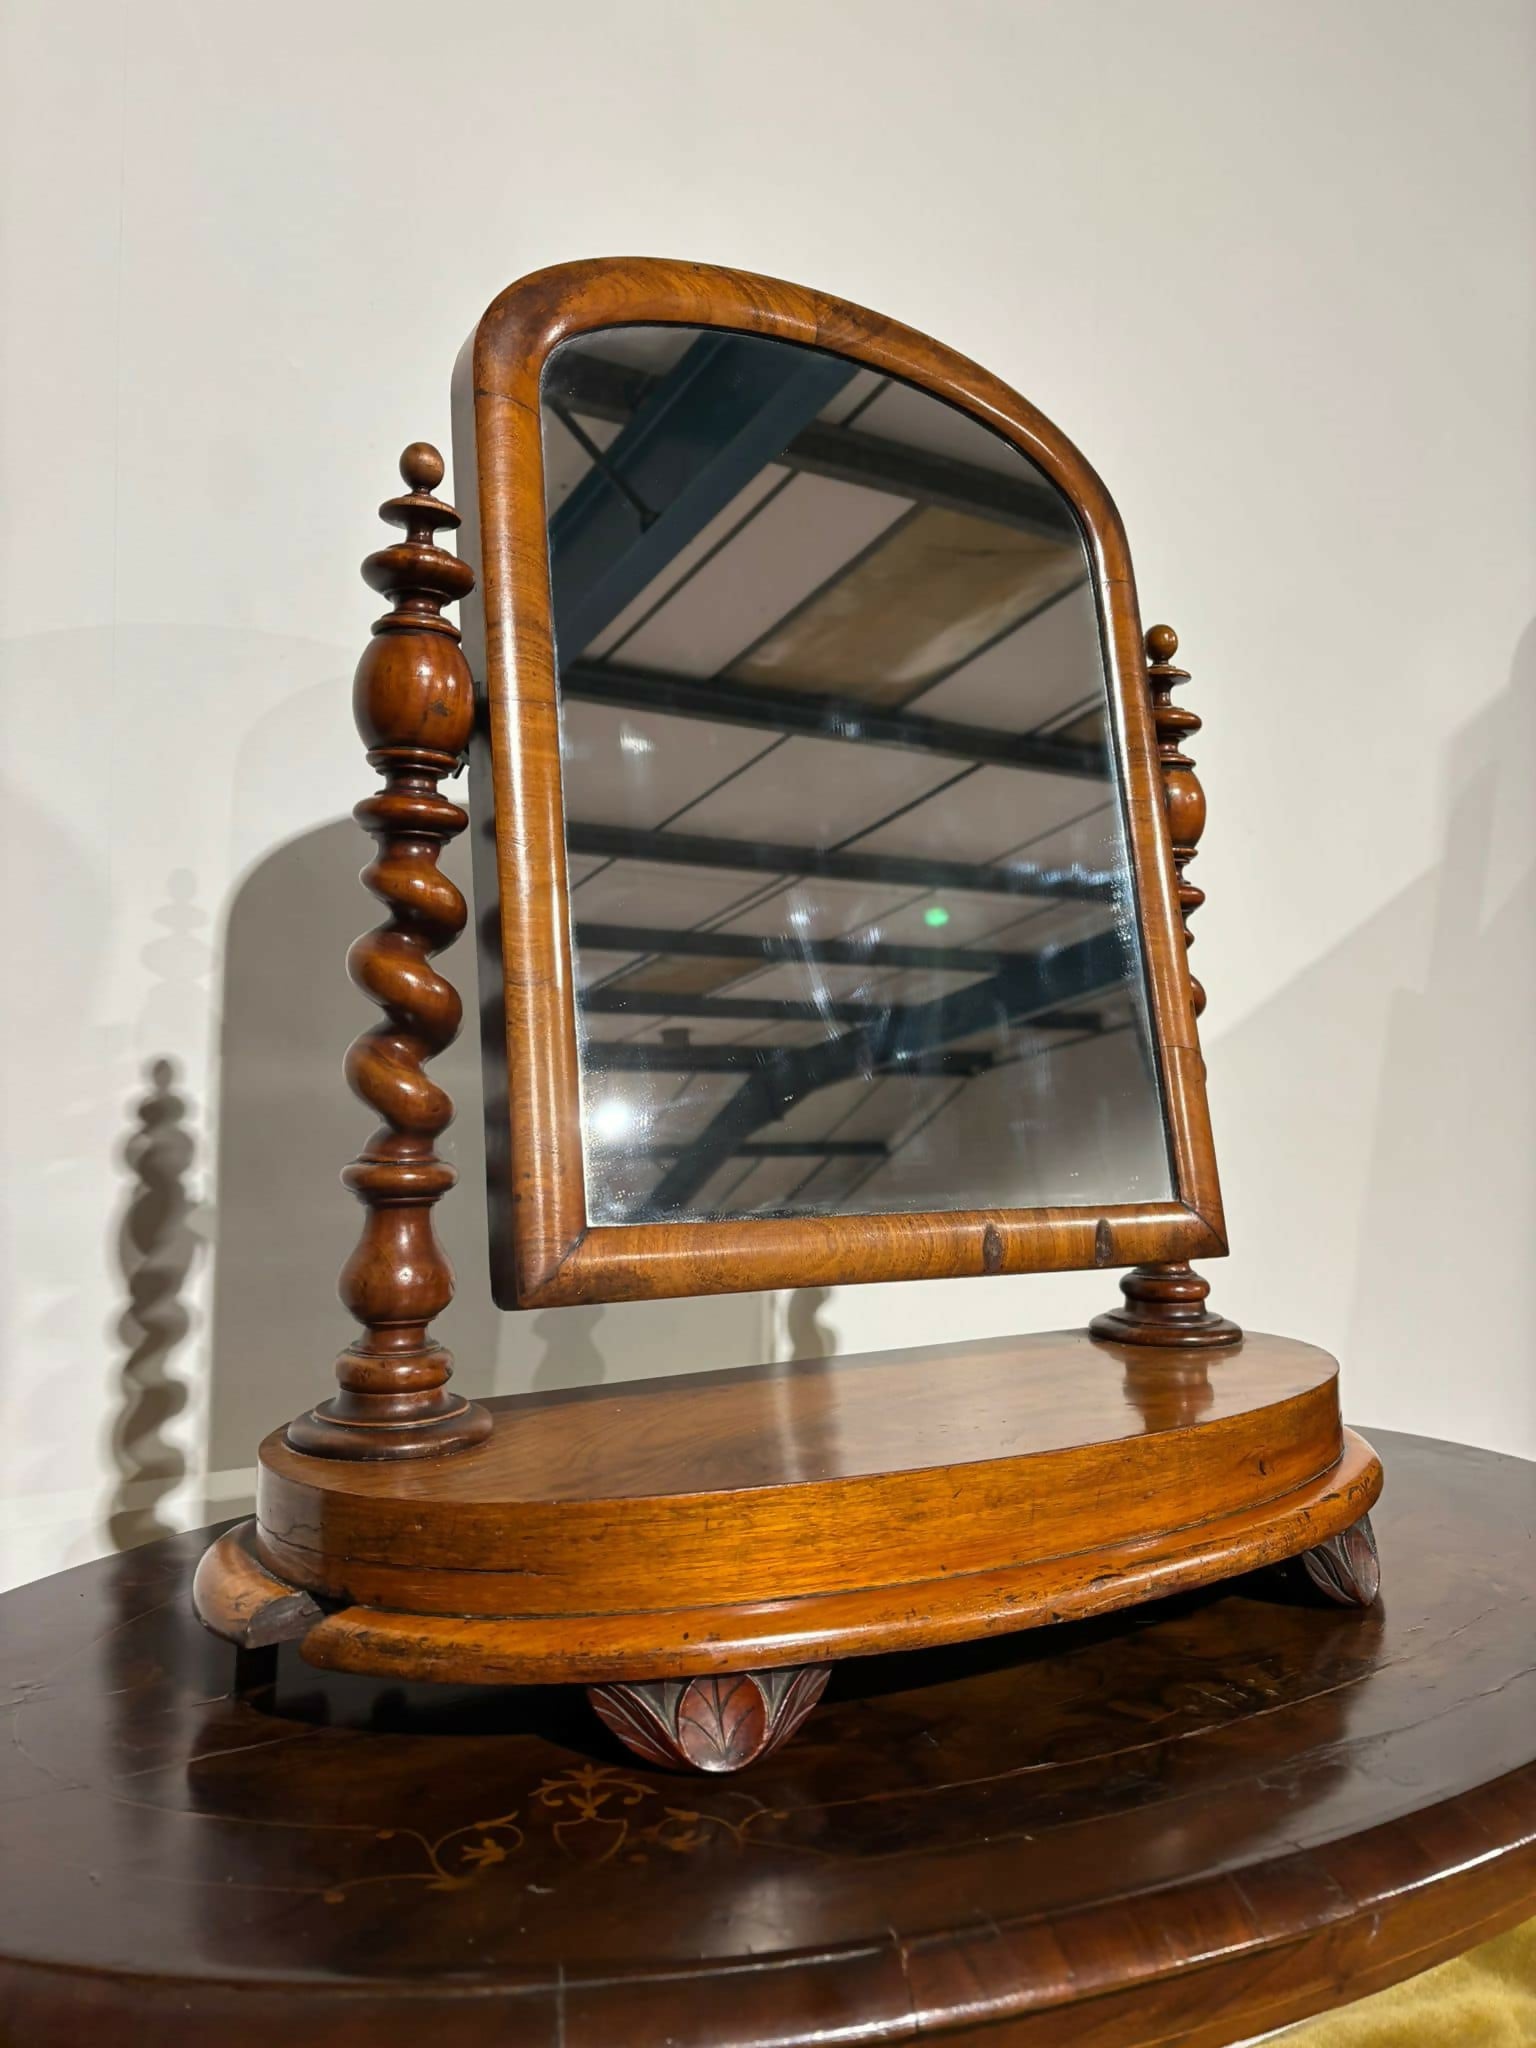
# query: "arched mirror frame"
543 1250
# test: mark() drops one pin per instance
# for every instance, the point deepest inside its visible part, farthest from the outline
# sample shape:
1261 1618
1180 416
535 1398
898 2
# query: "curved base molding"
699 1551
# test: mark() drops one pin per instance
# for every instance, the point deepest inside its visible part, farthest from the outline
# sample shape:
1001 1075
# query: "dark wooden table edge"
1468 1882
1187 1964
996 1982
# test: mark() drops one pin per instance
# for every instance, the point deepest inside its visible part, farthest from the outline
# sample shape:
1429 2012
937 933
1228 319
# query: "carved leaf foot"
718 1723
1347 1567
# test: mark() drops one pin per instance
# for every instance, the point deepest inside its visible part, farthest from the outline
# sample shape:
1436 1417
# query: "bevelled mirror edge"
543 1250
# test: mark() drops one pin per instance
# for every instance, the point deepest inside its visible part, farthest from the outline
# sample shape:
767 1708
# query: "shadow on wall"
162 1233
158 1244
288 1124
806 1335
1452 1176
1415 1229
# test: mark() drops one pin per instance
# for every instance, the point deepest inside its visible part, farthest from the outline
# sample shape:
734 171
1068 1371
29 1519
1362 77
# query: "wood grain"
239 1599
860 1621
1192 1823
707 1489
543 1251
807 1511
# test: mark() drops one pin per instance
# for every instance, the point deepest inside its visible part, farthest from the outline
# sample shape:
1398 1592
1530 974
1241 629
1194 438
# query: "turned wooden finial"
1165 1303
1182 794
414 705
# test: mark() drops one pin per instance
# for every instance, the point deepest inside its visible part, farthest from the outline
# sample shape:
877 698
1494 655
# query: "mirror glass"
852 914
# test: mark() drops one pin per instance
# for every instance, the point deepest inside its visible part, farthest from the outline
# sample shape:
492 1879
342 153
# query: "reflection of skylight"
939 586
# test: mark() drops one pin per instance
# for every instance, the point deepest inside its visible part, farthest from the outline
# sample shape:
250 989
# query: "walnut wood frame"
662 1543
544 1252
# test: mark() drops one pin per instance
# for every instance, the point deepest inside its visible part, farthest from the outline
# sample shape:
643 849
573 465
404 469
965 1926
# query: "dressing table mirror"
831 822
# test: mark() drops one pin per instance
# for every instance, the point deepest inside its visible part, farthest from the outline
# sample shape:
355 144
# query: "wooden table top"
1184 1823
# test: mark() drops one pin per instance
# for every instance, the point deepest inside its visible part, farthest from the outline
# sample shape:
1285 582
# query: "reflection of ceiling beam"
851 457
697 438
815 716
763 947
643 1056
768 857
623 1002
610 391
1024 986
791 1148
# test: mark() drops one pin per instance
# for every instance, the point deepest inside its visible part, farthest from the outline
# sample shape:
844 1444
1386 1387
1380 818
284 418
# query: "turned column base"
718 1723
1164 1305
334 1431
372 1423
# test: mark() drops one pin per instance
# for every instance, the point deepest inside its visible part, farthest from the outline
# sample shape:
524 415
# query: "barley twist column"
1165 1303
413 702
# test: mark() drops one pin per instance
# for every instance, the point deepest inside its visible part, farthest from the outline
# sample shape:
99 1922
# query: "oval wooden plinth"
807 1512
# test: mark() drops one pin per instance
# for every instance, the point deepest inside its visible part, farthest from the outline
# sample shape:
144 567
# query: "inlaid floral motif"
593 1812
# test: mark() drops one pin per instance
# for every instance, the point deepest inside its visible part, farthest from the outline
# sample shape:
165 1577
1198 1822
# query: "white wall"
1269 264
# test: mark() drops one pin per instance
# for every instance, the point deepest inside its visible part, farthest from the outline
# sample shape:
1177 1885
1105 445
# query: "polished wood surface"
1164 1304
414 704
1189 1823
756 1636
799 1512
867 1415
238 1598
543 1250
830 1476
